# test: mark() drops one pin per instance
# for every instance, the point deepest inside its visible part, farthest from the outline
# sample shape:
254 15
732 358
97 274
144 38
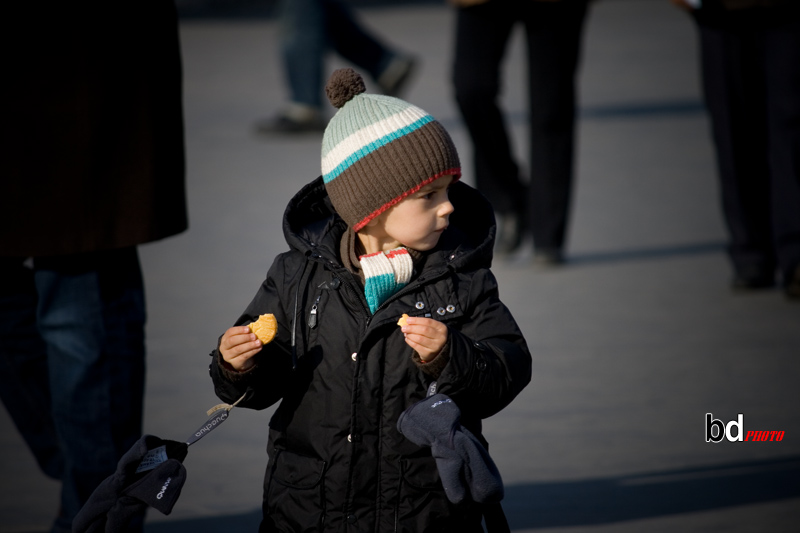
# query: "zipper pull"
312 317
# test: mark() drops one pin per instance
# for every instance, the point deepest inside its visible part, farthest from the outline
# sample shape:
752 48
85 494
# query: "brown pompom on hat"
378 149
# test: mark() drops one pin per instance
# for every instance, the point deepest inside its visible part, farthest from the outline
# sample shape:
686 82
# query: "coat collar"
312 226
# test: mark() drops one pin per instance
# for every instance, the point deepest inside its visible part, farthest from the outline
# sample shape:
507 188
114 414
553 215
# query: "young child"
387 230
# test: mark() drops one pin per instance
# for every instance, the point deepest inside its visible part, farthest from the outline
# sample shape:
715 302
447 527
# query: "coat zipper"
312 315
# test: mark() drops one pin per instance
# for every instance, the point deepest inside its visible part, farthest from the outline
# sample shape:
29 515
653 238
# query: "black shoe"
286 124
396 76
548 258
753 280
510 232
791 287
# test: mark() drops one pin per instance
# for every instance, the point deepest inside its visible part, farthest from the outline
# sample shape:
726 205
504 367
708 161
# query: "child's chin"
426 245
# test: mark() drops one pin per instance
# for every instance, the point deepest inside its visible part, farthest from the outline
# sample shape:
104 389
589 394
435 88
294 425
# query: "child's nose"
446 209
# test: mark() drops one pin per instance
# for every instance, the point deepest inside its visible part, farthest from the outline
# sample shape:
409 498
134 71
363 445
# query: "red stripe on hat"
456 172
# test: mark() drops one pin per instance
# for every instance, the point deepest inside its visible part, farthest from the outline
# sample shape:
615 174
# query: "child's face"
419 220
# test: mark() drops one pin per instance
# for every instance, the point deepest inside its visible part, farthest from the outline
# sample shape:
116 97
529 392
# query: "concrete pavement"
634 341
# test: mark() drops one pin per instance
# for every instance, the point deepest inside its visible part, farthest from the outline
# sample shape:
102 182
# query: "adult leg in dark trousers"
308 30
553 33
72 356
751 82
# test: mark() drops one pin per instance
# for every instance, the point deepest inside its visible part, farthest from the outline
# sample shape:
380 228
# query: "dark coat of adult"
336 459
92 129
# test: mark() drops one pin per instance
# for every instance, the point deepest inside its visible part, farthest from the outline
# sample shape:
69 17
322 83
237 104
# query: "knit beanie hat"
379 149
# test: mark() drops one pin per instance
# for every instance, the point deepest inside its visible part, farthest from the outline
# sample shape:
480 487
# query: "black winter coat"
92 133
336 459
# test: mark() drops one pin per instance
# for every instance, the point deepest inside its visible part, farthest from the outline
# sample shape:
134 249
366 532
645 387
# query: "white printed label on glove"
152 459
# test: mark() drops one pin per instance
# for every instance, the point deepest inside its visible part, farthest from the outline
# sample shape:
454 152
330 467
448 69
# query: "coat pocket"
296 492
420 496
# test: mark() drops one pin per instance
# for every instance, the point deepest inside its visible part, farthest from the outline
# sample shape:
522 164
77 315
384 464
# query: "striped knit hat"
378 149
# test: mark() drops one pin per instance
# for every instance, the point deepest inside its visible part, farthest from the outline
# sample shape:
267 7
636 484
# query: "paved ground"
634 341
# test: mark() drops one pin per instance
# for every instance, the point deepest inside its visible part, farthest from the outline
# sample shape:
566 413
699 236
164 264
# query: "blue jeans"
72 356
308 28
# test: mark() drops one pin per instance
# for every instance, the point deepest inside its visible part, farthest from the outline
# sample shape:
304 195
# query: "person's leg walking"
734 95
348 38
24 384
301 43
781 58
301 30
553 33
125 316
91 316
482 34
351 40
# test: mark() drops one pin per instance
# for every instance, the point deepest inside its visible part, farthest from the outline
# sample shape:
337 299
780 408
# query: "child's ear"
373 222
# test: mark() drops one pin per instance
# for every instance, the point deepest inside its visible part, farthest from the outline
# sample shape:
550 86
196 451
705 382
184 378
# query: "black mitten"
151 473
464 464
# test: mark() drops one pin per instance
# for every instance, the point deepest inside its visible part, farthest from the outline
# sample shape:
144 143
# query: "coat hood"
311 223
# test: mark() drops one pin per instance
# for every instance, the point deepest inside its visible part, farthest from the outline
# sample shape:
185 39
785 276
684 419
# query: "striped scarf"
384 274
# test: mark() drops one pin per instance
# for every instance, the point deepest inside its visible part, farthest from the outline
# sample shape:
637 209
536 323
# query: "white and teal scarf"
384 274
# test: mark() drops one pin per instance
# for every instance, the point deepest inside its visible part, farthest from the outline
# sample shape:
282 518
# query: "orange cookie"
265 328
402 322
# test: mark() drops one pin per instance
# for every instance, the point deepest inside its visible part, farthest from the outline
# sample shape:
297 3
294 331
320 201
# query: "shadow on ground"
522 259
638 254
267 9
603 500
609 500
628 111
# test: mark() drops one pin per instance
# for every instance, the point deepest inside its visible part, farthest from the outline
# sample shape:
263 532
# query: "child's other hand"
426 336
238 346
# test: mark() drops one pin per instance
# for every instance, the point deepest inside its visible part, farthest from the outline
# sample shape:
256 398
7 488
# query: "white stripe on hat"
368 135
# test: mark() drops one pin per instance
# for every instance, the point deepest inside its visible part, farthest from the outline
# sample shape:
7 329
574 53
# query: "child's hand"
238 346
426 336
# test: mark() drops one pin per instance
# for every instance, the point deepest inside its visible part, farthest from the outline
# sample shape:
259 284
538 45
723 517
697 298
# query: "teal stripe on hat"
371 147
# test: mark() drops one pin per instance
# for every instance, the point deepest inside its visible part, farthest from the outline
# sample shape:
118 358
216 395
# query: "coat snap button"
451 308
441 311
354 356
420 305
481 364
349 438
351 519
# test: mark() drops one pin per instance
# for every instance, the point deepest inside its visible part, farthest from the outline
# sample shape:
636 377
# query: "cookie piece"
402 322
265 328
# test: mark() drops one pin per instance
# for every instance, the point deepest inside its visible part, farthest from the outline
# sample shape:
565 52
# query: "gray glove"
463 463
151 474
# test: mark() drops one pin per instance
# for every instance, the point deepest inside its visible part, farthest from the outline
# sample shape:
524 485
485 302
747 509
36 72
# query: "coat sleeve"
489 359
265 383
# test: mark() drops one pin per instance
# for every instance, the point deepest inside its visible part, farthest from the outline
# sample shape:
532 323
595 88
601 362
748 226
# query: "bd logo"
716 430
